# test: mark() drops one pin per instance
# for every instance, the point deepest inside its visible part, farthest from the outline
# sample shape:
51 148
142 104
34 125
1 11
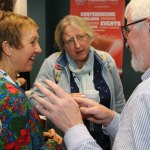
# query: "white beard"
137 63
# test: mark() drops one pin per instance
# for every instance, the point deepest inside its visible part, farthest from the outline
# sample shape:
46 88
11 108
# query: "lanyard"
6 76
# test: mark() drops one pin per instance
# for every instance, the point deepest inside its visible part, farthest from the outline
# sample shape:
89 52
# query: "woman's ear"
7 49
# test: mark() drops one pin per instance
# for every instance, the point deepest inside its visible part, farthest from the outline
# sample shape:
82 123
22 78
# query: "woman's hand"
51 134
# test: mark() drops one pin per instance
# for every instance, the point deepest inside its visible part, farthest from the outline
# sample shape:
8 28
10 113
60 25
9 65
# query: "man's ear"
7 49
148 24
148 19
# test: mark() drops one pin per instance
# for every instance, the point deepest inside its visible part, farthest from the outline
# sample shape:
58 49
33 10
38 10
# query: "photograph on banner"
105 18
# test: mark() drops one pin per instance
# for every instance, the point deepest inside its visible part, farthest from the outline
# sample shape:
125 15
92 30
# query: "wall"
55 10
36 10
46 13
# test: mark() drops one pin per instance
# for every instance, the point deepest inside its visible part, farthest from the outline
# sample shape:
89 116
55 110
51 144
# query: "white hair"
138 9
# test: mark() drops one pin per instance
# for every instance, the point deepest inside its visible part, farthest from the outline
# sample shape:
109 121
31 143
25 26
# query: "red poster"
105 17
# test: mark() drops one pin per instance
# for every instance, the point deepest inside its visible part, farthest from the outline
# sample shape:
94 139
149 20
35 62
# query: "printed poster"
105 17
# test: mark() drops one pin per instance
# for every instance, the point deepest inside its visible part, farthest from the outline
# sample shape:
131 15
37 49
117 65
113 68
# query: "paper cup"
92 94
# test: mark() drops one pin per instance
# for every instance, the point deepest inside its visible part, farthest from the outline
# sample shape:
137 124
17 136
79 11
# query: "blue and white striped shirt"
131 129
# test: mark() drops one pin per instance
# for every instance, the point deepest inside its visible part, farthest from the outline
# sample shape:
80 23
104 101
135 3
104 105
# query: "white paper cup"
92 94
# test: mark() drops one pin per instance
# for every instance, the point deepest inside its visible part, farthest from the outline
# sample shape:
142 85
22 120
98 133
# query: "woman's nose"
38 49
77 43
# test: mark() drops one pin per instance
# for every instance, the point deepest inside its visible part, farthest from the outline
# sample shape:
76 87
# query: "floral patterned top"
20 126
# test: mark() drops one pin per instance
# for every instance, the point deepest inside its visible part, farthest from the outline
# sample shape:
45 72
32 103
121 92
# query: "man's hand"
77 94
60 107
94 111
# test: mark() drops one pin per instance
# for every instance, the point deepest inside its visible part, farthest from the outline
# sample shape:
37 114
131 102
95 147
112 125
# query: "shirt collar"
146 75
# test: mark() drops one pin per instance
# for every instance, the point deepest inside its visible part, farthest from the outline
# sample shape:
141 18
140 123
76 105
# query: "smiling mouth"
32 58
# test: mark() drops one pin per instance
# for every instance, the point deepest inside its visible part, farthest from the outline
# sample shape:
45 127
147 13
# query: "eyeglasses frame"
83 36
125 26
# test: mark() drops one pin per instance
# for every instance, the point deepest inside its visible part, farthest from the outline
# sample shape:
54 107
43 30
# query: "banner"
105 17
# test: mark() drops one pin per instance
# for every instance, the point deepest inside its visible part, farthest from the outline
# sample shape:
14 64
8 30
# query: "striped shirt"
131 130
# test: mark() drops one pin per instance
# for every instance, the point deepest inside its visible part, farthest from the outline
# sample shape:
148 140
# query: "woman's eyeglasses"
78 37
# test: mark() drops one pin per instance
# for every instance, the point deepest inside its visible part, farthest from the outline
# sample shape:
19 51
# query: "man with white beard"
131 129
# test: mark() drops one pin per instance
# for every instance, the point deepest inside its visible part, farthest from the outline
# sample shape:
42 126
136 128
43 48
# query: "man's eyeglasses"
78 37
125 30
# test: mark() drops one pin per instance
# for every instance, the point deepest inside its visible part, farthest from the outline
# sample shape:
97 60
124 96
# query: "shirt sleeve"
134 130
112 128
78 137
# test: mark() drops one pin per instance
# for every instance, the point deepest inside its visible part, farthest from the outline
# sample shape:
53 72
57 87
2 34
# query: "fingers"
59 139
58 90
43 89
91 115
77 95
44 107
53 135
50 134
51 96
98 114
87 111
42 110
60 107
42 102
85 102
